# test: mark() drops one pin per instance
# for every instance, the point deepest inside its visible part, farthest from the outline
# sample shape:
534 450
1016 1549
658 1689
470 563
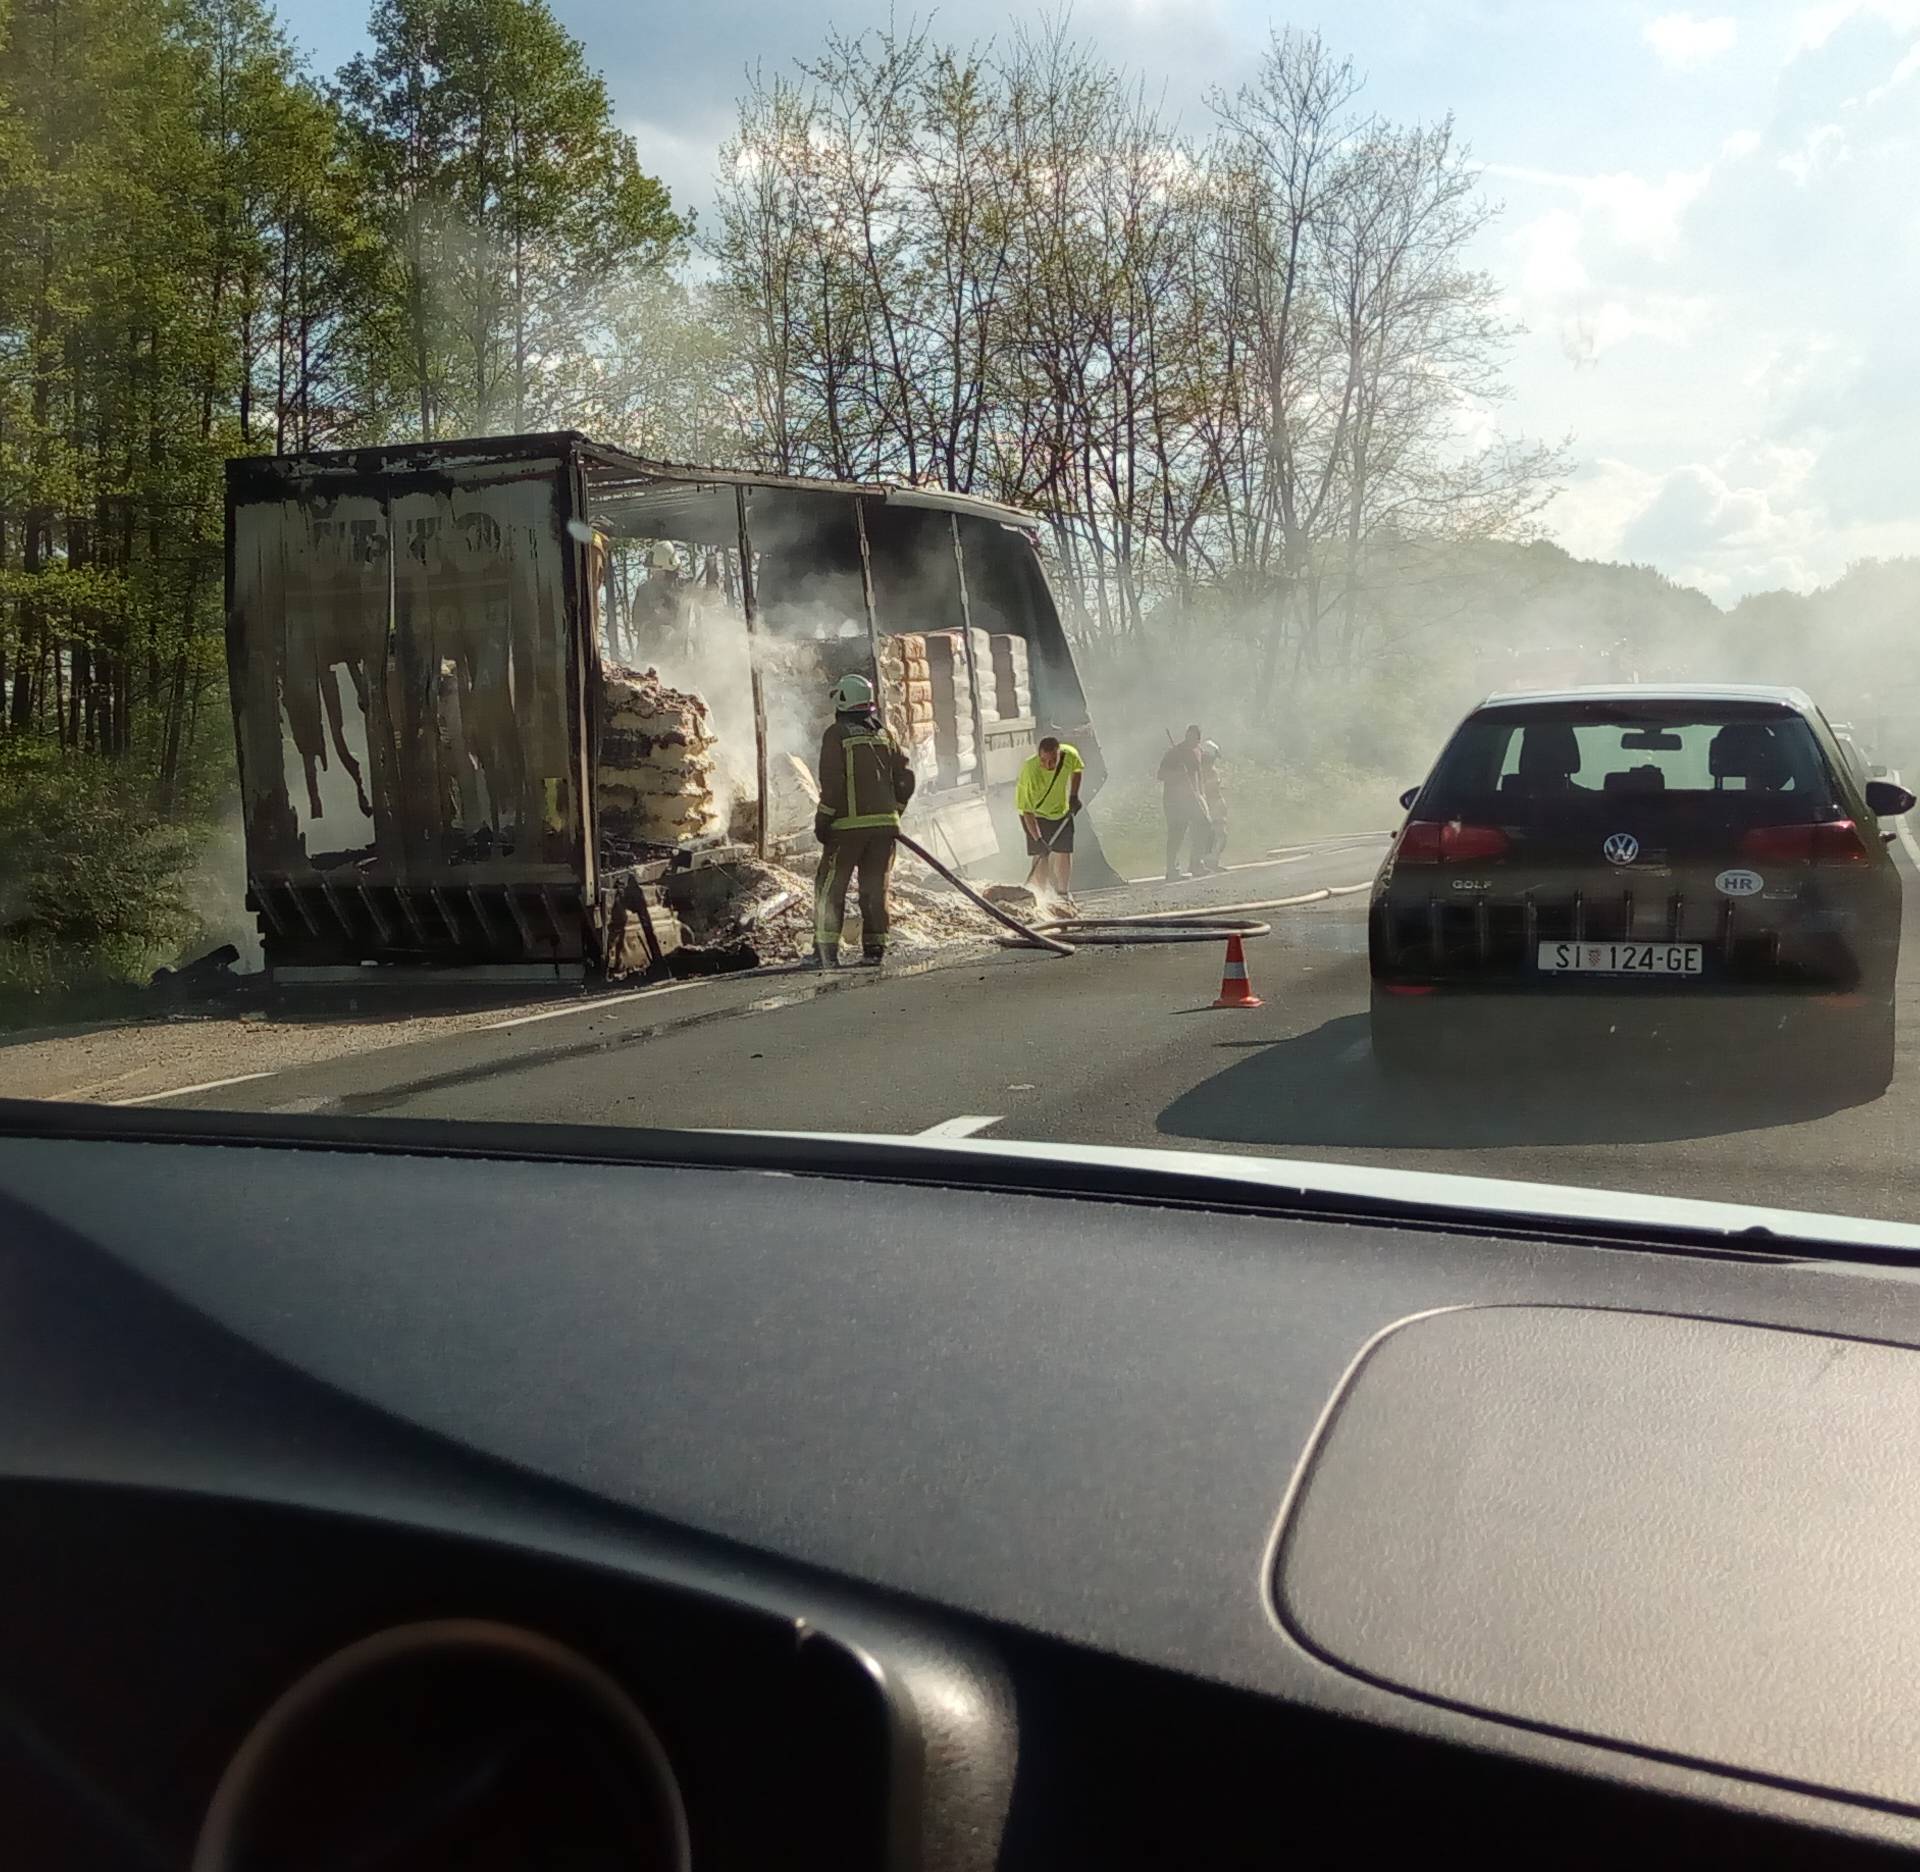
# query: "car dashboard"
423 1495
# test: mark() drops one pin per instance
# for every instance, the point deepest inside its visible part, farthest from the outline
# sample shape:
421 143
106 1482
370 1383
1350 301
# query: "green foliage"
999 269
92 882
204 254
508 201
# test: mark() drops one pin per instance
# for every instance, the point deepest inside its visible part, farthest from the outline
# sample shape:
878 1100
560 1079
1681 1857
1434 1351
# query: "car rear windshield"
1762 765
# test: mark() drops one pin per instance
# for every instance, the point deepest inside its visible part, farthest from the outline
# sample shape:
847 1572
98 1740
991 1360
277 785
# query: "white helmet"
1209 750
853 692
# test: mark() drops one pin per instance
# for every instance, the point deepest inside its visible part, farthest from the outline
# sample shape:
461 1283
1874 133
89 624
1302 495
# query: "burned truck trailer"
487 693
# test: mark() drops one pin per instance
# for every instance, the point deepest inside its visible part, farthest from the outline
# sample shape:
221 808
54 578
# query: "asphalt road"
1120 1046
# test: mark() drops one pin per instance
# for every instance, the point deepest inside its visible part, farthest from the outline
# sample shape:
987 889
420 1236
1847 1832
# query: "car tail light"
1407 988
1431 841
1419 843
1835 842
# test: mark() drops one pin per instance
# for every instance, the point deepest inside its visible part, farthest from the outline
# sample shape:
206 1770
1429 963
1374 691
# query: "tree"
1241 365
318 352
163 259
1235 374
392 102
761 254
659 373
513 201
1348 237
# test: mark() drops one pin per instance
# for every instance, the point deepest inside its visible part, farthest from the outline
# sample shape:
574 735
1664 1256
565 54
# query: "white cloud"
1579 266
1638 212
1815 25
1822 148
1593 511
1550 264
683 156
1694 510
1665 319
1746 520
1645 214
1784 371
1681 42
1745 374
1901 73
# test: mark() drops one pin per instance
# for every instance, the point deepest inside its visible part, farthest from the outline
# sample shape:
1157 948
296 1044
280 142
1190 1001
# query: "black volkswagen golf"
1639 865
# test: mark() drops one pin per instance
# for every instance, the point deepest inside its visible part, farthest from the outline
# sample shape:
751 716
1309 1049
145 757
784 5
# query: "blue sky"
1711 225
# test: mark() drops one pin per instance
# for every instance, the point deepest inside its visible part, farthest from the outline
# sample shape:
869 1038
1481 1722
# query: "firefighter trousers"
865 852
1188 824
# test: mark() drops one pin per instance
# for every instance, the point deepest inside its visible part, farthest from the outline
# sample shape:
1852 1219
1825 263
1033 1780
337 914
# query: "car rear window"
1512 757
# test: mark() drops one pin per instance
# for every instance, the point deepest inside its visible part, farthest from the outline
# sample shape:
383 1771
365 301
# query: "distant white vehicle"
1855 753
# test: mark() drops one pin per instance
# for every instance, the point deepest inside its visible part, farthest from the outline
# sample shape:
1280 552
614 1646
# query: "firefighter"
1213 796
865 780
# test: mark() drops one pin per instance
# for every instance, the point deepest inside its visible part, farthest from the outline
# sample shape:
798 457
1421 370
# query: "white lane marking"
1259 864
1280 855
1347 890
957 1127
206 1085
592 1006
1901 826
1338 841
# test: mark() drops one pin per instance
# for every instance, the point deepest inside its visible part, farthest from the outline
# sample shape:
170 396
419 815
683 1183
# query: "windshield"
1334 589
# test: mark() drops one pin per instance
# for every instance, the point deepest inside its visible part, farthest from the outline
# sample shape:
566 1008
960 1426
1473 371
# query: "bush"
92 884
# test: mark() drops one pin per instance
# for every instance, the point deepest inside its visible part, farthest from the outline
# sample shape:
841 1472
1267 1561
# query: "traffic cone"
1235 989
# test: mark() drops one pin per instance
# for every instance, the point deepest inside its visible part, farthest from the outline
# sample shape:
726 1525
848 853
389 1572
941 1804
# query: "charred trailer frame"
410 677
414 643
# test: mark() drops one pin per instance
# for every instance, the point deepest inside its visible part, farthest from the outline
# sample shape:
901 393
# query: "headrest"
1549 749
1746 750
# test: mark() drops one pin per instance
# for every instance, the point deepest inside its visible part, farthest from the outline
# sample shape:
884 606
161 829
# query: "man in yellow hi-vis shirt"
1046 796
865 779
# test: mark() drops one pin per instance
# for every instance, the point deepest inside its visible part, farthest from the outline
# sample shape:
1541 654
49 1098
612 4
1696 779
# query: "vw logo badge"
1621 849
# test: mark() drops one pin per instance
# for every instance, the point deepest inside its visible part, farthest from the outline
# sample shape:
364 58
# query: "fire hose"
992 909
1196 927
1186 926
1174 926
1210 924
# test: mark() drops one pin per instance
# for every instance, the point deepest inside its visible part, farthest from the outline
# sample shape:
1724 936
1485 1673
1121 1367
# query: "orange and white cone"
1235 990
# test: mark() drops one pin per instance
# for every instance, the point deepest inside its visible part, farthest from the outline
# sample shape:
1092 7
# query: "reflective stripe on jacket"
864 777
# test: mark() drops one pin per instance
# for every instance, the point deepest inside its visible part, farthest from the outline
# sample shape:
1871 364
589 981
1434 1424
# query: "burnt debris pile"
747 911
657 783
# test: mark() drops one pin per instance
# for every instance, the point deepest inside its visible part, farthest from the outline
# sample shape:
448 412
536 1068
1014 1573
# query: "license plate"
1619 958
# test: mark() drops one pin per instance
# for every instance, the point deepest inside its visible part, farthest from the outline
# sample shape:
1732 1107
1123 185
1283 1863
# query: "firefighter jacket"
865 778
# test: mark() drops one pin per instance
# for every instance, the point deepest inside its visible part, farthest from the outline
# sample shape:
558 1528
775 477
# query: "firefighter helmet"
853 692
